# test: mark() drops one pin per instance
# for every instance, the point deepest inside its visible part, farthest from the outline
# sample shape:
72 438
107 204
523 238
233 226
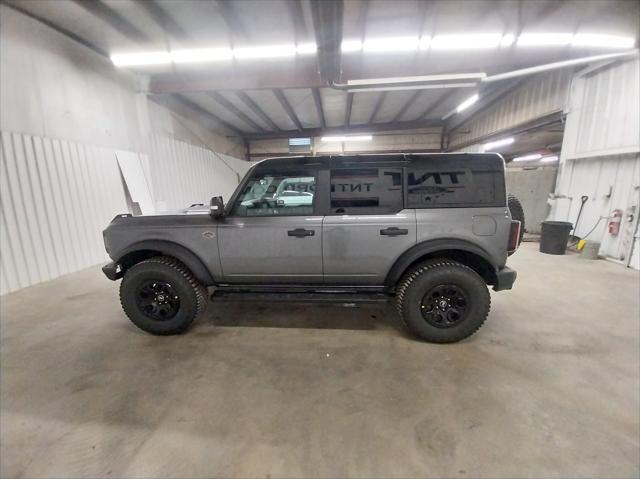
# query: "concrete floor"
549 387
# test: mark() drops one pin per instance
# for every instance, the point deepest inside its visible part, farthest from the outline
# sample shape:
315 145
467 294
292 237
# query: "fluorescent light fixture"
299 141
531 157
273 51
306 48
466 41
549 159
346 138
395 44
425 42
141 59
350 46
467 103
200 55
544 39
492 145
602 41
507 40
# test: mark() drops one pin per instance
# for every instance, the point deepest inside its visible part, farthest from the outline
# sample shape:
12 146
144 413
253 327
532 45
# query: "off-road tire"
192 295
415 284
517 213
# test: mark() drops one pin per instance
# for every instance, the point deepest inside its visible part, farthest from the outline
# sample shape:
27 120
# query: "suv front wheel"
443 301
161 296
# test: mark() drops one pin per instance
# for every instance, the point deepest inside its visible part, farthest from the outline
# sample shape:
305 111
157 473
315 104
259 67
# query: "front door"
273 234
367 228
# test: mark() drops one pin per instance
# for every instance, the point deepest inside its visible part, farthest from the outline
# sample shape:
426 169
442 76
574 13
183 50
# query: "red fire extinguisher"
615 218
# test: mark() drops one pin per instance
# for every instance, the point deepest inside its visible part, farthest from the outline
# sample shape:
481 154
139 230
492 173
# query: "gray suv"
429 231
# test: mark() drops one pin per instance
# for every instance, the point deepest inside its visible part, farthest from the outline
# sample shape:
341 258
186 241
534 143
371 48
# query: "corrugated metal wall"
537 97
601 156
183 174
57 196
55 199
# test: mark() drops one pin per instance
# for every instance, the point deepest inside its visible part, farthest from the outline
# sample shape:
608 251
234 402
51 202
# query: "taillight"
514 236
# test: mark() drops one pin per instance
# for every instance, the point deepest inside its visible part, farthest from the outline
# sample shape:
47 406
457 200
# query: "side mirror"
217 207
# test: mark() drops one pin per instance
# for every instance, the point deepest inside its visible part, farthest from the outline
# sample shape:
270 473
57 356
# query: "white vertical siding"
183 174
601 155
55 199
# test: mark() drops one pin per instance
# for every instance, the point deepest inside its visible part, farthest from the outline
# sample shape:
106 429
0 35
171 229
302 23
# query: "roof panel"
301 100
212 106
334 103
272 108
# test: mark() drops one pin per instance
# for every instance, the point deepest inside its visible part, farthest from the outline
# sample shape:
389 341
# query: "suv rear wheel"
443 301
161 296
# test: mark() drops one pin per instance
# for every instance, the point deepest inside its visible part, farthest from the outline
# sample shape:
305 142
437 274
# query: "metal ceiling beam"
349 107
108 15
407 105
311 132
376 108
206 113
163 19
287 107
235 110
234 23
317 99
436 104
297 19
327 23
253 106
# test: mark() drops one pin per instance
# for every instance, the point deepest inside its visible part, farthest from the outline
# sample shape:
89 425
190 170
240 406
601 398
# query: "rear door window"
366 191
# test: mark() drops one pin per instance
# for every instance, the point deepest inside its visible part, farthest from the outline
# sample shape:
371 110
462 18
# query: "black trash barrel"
554 237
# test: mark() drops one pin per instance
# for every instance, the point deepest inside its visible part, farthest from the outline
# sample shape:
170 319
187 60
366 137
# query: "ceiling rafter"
221 100
297 19
317 99
287 107
253 106
377 107
234 23
378 127
202 111
407 105
163 19
348 108
108 15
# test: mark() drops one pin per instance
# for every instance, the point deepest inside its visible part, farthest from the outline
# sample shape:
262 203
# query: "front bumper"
113 271
505 277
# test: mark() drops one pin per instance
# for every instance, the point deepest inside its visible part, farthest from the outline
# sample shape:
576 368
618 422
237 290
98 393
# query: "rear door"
272 233
367 227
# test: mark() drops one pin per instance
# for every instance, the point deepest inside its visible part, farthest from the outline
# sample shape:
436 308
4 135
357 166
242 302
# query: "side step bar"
221 295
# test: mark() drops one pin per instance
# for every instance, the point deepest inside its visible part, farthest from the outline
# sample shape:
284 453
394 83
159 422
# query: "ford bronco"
427 231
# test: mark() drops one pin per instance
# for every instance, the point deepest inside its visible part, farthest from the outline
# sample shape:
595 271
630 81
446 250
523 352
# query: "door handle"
393 231
300 233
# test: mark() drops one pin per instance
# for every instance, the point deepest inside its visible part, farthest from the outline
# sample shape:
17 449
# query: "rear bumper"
113 271
505 278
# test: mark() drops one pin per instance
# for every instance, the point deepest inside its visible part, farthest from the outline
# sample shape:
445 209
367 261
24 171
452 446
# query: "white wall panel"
56 197
601 155
183 174
603 116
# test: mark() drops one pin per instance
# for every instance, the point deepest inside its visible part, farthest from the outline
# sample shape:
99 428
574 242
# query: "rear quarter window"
451 183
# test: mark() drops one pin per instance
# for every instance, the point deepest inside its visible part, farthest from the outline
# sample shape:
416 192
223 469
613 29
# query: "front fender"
192 261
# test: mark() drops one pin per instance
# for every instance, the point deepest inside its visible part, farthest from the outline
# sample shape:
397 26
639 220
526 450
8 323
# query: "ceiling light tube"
531 157
333 139
424 43
201 55
507 40
273 51
306 48
549 159
467 103
466 41
140 59
602 41
394 44
350 46
492 145
544 39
